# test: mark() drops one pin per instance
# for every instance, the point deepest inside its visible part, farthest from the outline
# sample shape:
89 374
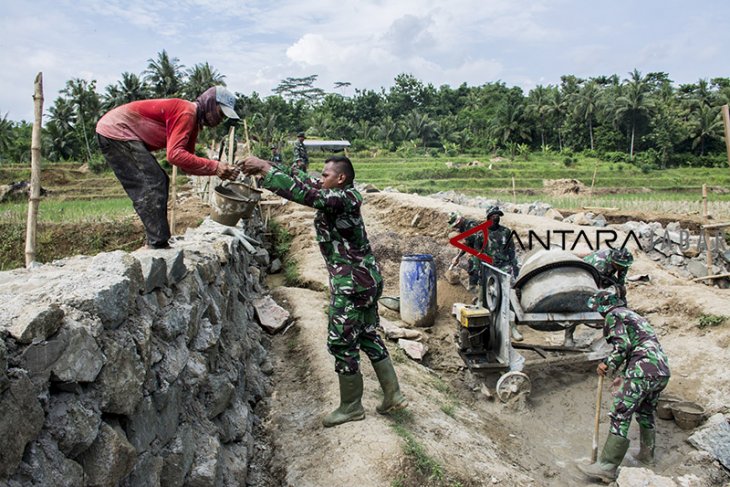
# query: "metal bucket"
248 192
555 281
227 206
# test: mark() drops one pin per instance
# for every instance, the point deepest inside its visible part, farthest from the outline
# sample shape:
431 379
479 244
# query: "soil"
474 439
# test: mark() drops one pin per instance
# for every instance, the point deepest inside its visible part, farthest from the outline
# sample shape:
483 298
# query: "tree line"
645 118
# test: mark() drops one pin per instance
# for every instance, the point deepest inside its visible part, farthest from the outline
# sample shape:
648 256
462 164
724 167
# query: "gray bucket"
250 193
228 206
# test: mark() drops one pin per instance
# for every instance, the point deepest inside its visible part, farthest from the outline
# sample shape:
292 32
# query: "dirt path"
474 441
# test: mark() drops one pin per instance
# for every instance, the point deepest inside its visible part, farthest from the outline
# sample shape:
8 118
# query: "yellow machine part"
474 317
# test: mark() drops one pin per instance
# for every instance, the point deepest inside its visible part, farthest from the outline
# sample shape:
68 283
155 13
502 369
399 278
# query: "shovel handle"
599 393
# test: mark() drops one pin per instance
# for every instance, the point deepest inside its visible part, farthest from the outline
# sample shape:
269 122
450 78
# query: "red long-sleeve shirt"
163 123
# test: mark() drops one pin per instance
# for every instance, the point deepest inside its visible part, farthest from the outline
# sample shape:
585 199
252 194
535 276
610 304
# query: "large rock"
73 423
46 465
21 420
32 322
178 458
633 477
205 468
109 459
120 381
714 438
271 316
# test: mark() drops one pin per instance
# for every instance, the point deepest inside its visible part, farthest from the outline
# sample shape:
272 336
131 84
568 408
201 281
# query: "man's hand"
602 369
253 165
226 171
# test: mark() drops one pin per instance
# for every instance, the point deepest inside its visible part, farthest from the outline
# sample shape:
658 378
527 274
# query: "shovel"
599 393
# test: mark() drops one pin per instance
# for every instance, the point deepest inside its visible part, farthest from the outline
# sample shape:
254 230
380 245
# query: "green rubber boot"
605 469
393 399
646 449
350 408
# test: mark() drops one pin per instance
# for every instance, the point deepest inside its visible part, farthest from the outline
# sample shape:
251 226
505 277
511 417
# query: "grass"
282 244
711 320
669 190
69 211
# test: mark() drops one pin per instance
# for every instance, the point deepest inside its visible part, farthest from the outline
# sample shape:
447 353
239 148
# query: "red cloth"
165 123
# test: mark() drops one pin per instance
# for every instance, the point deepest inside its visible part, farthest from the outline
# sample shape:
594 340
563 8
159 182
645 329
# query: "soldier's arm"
614 330
309 193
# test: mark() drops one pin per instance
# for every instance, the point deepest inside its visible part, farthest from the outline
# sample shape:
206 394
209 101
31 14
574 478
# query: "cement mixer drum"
555 281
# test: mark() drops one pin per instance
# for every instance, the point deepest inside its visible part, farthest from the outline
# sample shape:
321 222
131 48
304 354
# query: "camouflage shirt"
501 248
635 345
601 260
301 159
476 240
340 233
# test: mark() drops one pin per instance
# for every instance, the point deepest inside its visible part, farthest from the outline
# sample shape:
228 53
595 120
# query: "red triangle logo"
456 241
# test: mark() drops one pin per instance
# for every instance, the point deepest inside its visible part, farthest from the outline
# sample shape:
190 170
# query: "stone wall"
133 369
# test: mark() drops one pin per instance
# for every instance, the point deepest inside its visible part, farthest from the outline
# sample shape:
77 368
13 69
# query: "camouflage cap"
622 257
454 218
492 210
604 301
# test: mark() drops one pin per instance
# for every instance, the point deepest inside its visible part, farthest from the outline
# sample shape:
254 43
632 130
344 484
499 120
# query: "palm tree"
388 131
6 133
508 124
587 104
705 124
82 95
201 77
537 107
164 75
633 103
557 109
130 88
419 126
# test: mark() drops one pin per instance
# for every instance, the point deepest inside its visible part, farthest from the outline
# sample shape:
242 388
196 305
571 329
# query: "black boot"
350 408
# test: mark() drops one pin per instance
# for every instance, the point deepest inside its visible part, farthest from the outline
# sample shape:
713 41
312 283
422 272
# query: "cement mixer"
549 294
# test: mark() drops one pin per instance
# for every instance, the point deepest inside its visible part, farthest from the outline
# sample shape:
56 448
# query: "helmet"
622 257
454 218
492 210
603 301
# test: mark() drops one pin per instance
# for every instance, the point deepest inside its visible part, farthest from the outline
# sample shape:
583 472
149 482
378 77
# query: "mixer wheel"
513 384
492 292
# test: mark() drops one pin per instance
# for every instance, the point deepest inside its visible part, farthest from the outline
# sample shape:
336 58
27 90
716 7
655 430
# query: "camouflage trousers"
636 395
351 329
473 268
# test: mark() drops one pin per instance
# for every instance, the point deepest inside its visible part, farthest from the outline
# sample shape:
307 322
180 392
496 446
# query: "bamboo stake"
707 231
593 181
174 199
599 393
35 172
726 120
514 192
231 143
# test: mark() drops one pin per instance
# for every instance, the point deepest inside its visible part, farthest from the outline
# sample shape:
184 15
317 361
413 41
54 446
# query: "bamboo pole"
593 181
231 143
514 191
173 210
716 276
707 231
726 120
35 172
597 420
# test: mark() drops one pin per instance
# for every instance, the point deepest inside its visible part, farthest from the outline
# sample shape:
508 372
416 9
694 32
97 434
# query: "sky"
367 43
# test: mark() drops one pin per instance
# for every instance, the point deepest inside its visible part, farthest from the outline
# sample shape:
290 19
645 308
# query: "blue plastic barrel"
418 289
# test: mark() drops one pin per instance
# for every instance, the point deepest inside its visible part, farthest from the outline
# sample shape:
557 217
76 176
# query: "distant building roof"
326 145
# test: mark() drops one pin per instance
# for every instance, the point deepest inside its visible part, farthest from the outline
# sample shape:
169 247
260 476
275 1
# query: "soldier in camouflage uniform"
612 266
354 279
639 357
475 241
501 248
301 158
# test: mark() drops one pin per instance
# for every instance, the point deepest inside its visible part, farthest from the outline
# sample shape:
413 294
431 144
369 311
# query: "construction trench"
207 397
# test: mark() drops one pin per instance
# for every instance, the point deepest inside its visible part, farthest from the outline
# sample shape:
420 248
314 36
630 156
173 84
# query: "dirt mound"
559 187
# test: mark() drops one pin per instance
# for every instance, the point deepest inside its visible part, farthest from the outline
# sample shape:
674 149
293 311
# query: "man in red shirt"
128 134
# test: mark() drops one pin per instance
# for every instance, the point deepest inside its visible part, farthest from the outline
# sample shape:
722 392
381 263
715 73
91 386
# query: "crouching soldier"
644 368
